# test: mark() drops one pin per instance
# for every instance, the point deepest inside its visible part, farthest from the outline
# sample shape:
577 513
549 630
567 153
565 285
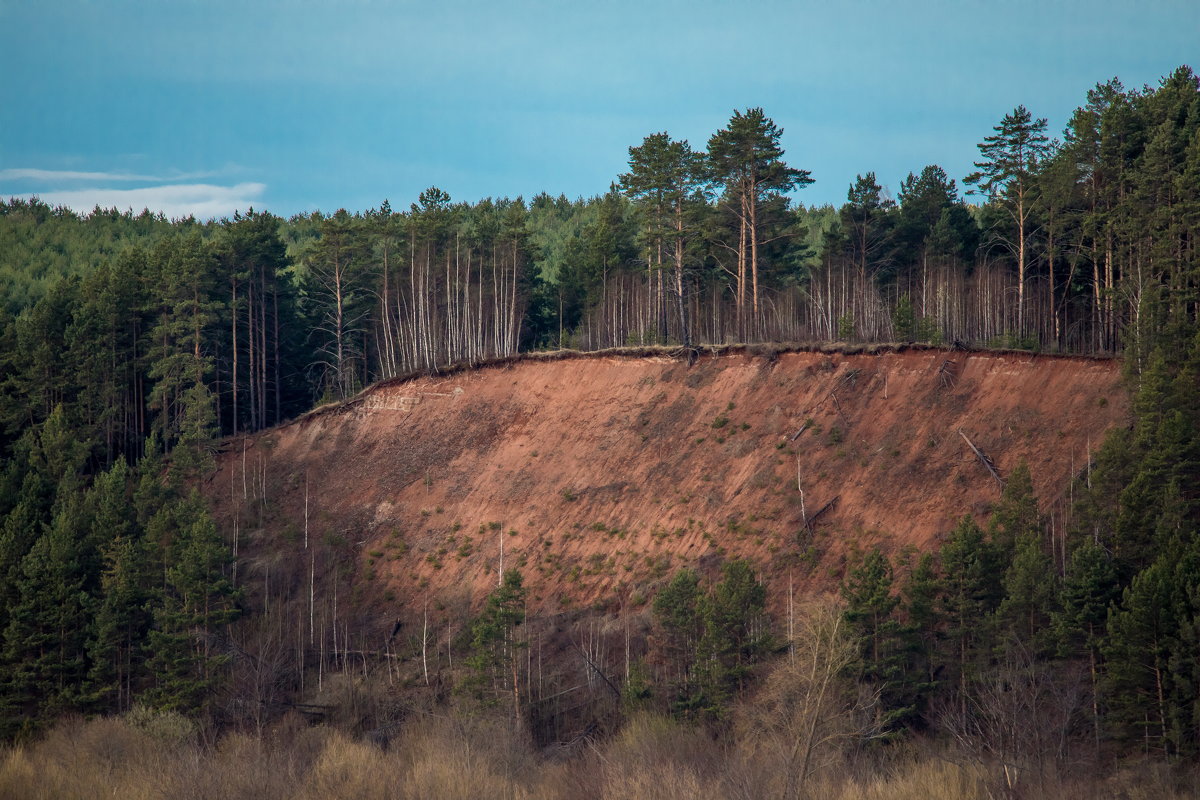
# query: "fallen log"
983 458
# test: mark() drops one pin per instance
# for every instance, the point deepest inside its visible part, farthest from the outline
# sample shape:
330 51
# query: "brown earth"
600 476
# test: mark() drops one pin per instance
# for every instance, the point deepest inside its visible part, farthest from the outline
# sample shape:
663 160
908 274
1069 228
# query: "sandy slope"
602 475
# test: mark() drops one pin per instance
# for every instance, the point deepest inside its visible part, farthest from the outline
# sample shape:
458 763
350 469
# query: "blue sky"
293 105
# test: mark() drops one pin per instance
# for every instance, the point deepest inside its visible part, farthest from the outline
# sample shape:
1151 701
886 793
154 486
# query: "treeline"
1074 237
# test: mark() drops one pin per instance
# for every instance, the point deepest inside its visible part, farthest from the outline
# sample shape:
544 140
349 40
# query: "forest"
130 344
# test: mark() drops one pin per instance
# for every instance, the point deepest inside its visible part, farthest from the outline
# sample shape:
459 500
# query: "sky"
206 106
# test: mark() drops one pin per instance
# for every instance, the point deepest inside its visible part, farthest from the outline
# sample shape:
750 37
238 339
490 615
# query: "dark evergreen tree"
1089 588
1016 515
183 272
923 625
667 176
1030 599
1005 175
679 611
871 607
1137 651
117 646
971 590
45 641
187 643
496 643
735 635
746 158
868 226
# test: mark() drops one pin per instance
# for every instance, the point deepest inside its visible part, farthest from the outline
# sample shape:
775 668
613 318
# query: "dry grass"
118 757
76 759
436 758
657 759
348 769
924 780
471 756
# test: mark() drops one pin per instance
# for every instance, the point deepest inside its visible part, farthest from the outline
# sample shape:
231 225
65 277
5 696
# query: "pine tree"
735 635
151 492
1030 595
117 644
21 528
1005 175
44 649
187 641
679 611
871 615
923 626
495 642
1164 456
747 158
1089 588
1137 650
59 454
121 593
1016 515
192 457
867 224
667 176
176 344
971 591
1099 491
1182 547
870 604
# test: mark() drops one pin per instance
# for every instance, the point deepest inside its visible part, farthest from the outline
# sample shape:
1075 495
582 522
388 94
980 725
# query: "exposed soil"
601 476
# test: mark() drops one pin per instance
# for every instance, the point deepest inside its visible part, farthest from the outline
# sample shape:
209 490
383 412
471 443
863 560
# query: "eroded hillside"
599 476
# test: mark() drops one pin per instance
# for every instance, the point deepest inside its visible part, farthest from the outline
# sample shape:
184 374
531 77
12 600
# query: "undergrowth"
144 755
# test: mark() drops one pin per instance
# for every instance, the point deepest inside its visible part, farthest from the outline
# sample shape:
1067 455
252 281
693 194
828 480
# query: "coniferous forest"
130 344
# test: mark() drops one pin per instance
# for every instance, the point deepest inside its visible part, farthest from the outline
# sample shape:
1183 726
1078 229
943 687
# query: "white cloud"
201 200
54 175
68 175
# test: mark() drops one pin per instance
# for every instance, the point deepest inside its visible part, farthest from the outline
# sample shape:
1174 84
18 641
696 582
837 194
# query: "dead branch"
948 373
807 424
983 457
616 692
842 414
820 511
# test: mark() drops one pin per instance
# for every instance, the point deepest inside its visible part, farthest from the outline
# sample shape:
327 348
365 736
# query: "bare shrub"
472 756
1146 780
167 727
1015 720
241 766
808 712
656 758
350 770
808 720
577 777
667 782
264 668
83 759
19 775
358 705
926 779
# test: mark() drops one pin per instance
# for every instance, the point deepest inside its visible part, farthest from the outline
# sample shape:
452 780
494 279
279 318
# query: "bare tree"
809 710
1016 720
